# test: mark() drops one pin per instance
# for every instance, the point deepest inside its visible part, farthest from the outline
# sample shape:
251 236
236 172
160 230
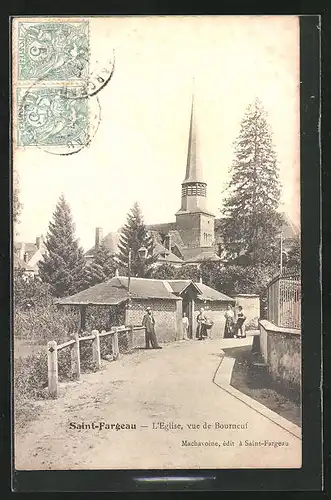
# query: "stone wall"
281 350
251 308
166 317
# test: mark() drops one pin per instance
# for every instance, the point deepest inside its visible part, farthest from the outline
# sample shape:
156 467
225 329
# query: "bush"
253 324
30 376
29 291
231 279
106 348
86 357
103 318
45 323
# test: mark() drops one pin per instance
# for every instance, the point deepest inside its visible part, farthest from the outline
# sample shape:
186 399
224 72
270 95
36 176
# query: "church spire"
193 165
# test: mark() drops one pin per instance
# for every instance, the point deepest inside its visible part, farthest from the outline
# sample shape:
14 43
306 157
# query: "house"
27 255
167 298
195 236
18 263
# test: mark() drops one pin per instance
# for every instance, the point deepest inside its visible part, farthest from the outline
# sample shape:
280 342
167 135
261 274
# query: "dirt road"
169 397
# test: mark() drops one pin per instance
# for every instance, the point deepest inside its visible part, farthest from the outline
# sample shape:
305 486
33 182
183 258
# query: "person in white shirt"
185 326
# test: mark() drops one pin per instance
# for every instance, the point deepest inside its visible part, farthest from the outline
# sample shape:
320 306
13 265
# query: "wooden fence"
53 348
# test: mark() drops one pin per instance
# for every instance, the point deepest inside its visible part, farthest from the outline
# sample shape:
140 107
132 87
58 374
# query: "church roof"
193 165
199 254
290 230
163 228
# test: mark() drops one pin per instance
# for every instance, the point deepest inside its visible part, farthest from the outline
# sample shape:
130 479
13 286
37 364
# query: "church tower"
194 222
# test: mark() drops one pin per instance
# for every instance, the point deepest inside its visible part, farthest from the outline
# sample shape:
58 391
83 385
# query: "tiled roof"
178 286
290 230
162 228
199 254
205 292
208 293
111 241
176 238
115 291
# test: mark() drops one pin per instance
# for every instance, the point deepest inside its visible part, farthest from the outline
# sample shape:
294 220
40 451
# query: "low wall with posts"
53 348
281 349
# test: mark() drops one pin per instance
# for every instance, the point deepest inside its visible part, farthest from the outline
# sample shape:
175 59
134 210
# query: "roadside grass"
261 388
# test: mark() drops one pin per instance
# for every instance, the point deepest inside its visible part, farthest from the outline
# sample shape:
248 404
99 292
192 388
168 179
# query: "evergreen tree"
252 221
134 236
102 268
63 267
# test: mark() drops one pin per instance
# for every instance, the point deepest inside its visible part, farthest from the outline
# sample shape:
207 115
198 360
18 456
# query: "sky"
139 150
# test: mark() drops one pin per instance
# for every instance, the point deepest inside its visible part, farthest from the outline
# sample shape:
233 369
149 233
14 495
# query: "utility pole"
281 253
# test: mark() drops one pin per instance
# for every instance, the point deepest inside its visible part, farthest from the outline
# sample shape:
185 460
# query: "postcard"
156 252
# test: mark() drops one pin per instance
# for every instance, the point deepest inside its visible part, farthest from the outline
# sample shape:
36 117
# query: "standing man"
185 326
149 324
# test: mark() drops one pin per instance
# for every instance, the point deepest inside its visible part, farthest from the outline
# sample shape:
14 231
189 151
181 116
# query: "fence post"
130 334
115 345
52 368
75 358
96 349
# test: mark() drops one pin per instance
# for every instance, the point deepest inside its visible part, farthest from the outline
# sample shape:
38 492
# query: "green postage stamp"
53 116
53 51
52 73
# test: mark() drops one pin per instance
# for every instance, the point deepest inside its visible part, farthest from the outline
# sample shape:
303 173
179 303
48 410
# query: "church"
195 236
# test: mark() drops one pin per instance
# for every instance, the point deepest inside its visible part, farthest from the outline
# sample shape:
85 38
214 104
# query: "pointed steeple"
193 165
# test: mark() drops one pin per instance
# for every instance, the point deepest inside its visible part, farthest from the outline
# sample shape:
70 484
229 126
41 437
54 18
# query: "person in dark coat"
149 324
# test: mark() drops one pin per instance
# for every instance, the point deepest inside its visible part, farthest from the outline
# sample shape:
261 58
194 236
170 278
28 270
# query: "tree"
293 261
251 218
134 236
63 267
102 268
164 272
30 291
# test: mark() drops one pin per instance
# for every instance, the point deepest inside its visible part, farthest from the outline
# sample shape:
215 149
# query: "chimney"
167 242
200 280
26 257
98 237
39 241
22 251
116 273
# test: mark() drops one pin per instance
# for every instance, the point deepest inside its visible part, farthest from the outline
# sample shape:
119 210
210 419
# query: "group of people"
234 326
234 323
